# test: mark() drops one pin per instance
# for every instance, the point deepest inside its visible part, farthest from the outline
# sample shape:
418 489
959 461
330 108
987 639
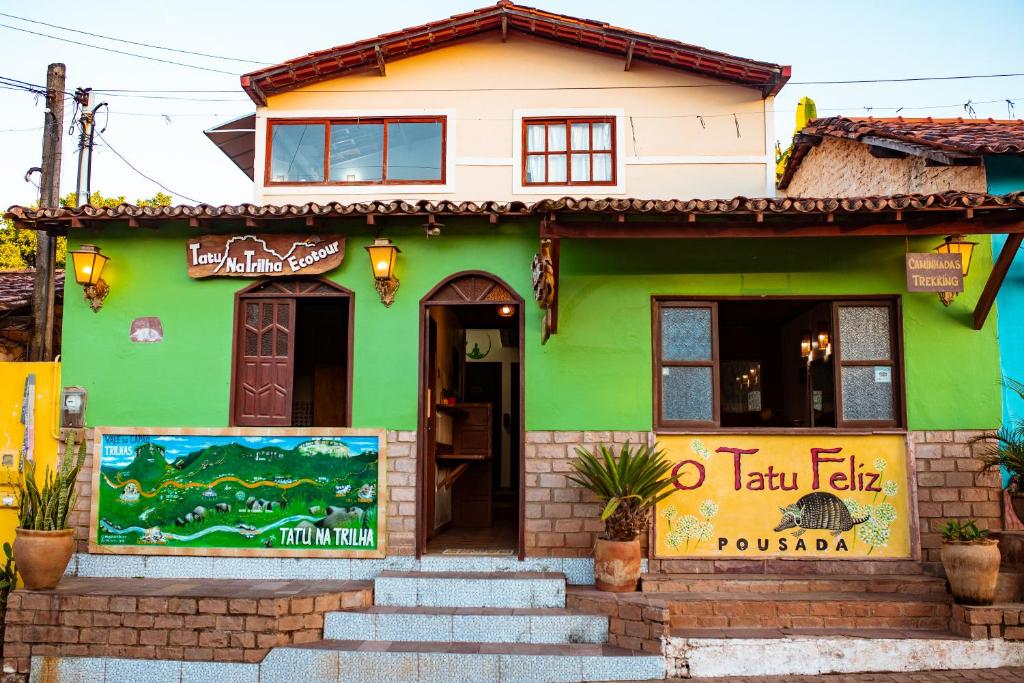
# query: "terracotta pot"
1017 503
973 570
616 565
42 556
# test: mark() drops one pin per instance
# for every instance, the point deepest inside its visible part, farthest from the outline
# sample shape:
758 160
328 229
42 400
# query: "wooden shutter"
266 343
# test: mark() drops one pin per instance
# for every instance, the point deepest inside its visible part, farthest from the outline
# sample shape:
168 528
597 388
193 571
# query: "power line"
120 52
133 42
150 179
905 80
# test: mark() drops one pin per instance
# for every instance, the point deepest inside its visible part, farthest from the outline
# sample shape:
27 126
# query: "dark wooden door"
266 353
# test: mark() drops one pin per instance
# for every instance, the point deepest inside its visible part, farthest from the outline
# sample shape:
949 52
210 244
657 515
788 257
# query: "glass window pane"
603 167
686 393
686 333
581 136
556 138
535 138
864 333
297 153
357 152
581 167
414 151
602 135
556 168
535 168
864 396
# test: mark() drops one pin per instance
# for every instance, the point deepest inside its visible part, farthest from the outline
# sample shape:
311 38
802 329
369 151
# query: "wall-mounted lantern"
383 256
506 310
805 344
956 244
89 262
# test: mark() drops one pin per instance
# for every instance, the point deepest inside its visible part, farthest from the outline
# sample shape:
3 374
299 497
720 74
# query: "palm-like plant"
1006 446
630 484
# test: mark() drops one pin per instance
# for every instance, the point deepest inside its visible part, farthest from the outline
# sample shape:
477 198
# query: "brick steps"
470 589
468 624
782 583
807 610
770 633
355 661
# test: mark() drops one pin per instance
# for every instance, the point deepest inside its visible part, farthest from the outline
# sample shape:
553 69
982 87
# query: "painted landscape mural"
313 493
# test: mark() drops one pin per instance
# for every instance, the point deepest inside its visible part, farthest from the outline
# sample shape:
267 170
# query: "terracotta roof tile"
964 136
337 61
84 215
16 288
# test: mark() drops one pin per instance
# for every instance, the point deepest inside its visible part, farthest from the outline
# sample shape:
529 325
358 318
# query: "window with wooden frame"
363 151
777 363
569 151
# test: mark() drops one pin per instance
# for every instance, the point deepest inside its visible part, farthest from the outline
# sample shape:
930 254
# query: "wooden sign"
251 492
930 272
263 255
780 496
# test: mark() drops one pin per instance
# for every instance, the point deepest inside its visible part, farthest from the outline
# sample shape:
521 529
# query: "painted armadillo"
818 511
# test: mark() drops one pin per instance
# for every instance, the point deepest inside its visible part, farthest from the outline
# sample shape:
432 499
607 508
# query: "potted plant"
630 485
43 543
971 560
1006 452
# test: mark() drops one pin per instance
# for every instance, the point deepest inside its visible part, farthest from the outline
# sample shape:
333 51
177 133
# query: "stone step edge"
795 578
472 576
472 611
867 632
482 648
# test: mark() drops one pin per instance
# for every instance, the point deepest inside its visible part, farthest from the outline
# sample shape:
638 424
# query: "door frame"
447 292
300 288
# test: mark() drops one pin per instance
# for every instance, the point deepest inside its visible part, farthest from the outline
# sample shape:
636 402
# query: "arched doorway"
470 478
292 354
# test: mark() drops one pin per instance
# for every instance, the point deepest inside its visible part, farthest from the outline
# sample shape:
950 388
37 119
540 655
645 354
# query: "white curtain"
535 168
580 166
581 136
602 136
535 138
602 166
556 138
556 167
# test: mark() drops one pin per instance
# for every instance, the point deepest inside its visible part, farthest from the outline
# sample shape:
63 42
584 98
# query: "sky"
163 138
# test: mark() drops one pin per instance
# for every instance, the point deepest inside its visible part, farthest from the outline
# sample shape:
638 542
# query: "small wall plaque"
147 330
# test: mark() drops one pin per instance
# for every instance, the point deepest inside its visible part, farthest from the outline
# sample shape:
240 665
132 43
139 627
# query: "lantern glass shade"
805 345
383 256
506 310
88 262
957 244
823 336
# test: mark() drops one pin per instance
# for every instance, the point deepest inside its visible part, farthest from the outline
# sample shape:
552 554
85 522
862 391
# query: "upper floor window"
569 151
406 150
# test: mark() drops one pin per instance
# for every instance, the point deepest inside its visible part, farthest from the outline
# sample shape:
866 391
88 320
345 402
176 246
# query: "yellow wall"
665 151
12 390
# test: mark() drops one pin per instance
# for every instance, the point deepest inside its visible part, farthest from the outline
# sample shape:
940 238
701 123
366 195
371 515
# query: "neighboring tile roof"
337 61
963 136
16 288
793 206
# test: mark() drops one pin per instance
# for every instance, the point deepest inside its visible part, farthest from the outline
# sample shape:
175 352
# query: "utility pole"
41 345
84 148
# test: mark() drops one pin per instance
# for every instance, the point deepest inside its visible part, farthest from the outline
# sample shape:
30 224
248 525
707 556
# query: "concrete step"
469 589
467 625
782 583
356 661
808 610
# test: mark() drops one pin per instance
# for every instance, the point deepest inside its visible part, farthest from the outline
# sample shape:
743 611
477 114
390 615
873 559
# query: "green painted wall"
594 374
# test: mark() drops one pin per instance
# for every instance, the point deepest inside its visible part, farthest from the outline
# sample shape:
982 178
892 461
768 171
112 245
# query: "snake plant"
629 484
46 507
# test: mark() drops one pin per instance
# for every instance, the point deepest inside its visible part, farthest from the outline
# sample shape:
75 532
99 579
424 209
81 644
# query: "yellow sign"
801 497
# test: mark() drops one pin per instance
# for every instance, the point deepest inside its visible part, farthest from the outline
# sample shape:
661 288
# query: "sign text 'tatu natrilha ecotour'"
263 255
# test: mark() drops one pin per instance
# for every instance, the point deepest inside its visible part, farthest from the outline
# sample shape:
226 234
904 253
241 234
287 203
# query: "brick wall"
203 620
951 485
998 621
562 519
401 483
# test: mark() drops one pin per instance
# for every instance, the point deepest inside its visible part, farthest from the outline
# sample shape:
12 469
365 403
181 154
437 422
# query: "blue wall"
1006 174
